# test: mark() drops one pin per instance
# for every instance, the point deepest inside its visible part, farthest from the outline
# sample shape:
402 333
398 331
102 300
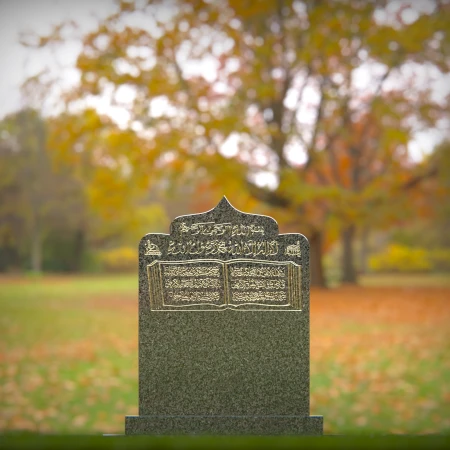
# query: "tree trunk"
36 249
348 264
364 251
316 266
77 260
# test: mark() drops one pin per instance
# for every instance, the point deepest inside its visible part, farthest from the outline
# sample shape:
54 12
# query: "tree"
432 211
54 212
38 201
286 86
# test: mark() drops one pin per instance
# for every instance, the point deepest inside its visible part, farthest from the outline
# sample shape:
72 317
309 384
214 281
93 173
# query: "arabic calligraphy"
243 283
260 271
220 229
192 283
219 247
189 271
194 296
252 296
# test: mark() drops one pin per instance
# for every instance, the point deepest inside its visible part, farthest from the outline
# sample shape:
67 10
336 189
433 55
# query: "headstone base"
224 425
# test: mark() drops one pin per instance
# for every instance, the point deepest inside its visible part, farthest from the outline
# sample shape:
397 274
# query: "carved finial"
225 203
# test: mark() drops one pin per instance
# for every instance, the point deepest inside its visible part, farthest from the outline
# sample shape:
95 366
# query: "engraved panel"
261 284
191 283
233 284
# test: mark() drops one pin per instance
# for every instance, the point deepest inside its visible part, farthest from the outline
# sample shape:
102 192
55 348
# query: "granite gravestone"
224 328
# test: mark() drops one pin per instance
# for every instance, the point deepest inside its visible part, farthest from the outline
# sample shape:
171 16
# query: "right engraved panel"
267 285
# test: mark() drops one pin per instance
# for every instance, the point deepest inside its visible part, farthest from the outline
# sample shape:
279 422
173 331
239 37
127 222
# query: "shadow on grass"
30 440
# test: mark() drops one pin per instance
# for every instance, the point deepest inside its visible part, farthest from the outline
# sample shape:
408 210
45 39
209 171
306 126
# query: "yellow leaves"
413 36
401 259
322 35
121 259
107 161
248 9
393 137
106 193
126 6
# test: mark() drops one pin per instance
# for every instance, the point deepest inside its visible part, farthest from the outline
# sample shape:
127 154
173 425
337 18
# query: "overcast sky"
17 63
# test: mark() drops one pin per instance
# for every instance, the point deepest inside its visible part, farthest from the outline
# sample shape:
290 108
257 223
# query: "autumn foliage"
301 109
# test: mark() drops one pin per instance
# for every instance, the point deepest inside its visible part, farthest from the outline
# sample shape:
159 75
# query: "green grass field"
380 355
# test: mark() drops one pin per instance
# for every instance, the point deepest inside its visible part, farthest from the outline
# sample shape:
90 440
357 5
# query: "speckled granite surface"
217 425
224 328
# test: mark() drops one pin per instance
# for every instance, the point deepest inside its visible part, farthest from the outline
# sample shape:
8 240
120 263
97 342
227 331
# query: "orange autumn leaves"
379 359
379 363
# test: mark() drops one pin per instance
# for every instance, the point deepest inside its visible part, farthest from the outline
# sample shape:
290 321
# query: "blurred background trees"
298 109
56 216
36 201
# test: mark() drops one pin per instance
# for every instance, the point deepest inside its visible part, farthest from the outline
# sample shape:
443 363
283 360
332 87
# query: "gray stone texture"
215 368
227 425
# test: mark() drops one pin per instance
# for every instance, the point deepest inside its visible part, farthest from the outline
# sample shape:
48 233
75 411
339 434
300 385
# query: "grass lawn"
380 355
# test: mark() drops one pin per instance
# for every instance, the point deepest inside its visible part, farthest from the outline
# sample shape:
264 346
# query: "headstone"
224 328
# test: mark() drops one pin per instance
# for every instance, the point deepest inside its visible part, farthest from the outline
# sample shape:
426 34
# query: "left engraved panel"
184 284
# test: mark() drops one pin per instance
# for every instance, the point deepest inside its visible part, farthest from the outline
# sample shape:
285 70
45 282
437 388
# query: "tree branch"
311 148
293 115
266 196
414 181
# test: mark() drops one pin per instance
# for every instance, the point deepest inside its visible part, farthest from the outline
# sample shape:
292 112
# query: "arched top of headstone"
225 214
